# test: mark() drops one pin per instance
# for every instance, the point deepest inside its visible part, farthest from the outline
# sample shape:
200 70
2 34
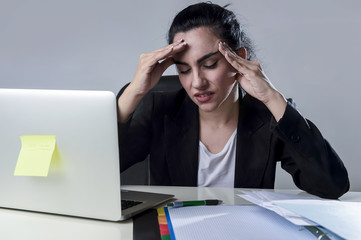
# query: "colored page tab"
35 155
163 225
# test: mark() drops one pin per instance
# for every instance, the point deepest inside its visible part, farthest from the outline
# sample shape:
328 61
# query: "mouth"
203 96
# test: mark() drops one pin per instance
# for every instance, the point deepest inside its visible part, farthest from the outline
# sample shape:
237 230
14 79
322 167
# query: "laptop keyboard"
129 203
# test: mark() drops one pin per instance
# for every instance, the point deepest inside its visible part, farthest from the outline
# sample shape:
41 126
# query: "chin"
207 107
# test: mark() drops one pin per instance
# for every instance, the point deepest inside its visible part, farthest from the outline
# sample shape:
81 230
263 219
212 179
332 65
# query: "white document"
264 199
342 218
233 222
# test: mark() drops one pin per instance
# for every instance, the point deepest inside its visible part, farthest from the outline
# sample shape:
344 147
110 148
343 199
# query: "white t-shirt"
217 170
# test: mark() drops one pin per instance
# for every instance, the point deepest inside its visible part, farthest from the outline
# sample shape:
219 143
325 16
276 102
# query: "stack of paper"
342 218
337 219
265 199
277 216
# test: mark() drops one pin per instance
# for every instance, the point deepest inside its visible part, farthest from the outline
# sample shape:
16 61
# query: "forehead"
200 41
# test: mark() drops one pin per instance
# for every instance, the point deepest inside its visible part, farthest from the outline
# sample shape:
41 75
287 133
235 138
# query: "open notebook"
59 154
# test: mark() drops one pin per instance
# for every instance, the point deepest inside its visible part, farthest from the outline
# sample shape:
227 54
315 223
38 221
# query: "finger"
224 48
170 46
239 63
169 51
235 61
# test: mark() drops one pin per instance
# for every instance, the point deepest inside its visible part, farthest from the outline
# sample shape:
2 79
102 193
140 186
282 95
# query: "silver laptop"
82 177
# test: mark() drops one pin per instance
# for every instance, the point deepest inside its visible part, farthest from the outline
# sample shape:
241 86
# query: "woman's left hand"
254 81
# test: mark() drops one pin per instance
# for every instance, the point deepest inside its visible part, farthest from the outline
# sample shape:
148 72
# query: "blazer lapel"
252 151
182 142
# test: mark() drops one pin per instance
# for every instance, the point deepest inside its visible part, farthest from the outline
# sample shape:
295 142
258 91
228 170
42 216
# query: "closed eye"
183 71
213 65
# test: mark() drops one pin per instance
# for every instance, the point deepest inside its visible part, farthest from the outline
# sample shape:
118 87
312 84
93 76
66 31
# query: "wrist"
134 91
127 103
277 104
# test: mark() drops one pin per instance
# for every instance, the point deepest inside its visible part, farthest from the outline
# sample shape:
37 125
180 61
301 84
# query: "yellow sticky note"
35 155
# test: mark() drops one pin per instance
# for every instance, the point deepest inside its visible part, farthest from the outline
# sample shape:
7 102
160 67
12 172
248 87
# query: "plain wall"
310 50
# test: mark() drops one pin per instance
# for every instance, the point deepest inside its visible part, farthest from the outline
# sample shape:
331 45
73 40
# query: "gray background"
310 50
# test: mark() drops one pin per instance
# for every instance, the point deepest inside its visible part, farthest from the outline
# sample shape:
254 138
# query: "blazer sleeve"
314 165
135 134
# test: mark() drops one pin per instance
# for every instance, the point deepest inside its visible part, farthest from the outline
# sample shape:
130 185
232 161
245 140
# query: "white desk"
28 225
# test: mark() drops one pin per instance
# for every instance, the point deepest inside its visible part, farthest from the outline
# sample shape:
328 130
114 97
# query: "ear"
242 52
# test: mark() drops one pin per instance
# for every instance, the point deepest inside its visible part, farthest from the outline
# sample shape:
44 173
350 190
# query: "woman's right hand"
152 65
150 68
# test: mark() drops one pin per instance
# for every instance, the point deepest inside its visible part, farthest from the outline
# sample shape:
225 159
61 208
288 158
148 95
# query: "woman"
228 126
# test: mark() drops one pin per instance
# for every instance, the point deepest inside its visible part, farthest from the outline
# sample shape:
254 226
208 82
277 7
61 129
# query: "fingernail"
223 44
181 40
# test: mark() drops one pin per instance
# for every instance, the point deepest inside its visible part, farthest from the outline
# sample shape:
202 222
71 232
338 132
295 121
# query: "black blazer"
166 126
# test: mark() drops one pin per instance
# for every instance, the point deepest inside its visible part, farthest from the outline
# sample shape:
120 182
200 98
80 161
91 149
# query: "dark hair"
222 22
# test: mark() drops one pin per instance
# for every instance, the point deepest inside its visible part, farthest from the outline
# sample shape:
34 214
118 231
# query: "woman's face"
203 71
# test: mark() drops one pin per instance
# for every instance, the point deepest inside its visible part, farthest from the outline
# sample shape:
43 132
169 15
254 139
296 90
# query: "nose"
199 81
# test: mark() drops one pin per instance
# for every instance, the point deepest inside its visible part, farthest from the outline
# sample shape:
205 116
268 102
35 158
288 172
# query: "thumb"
166 64
239 76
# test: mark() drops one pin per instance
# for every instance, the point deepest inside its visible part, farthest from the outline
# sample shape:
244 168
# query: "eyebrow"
199 60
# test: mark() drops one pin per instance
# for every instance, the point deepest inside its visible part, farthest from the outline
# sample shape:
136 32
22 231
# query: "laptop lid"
83 177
